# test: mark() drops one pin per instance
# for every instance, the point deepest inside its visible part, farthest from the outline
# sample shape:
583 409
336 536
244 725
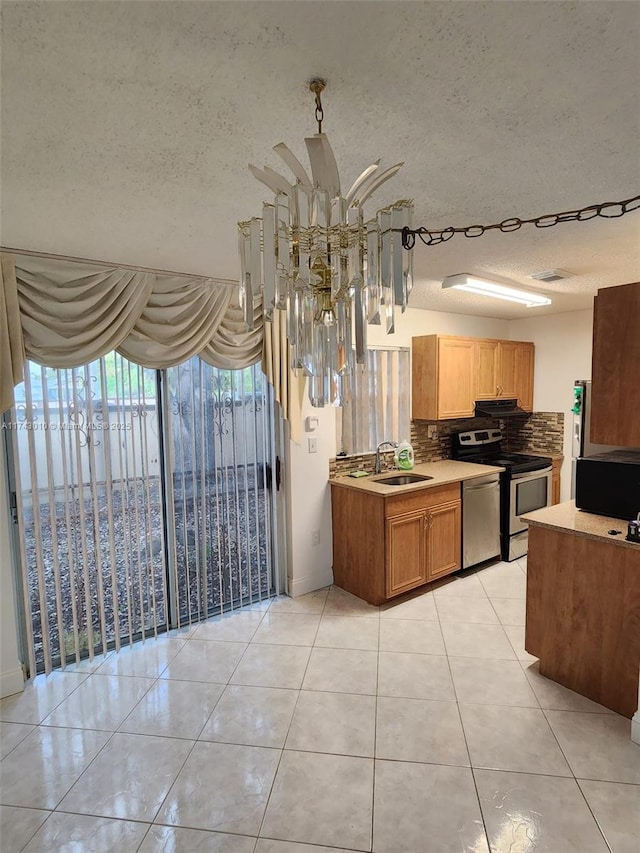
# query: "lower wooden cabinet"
556 465
406 552
444 539
384 546
582 614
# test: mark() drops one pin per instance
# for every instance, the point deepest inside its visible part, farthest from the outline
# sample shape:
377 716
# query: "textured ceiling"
127 128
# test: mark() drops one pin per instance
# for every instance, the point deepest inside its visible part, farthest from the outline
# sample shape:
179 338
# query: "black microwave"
609 483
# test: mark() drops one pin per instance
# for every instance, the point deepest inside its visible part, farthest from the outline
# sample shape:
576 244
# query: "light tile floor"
319 725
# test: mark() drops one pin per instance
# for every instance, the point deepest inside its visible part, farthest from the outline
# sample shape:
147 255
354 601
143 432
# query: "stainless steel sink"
402 479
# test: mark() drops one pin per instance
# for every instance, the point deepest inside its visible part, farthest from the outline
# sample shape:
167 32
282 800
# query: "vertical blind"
86 448
379 407
139 510
219 500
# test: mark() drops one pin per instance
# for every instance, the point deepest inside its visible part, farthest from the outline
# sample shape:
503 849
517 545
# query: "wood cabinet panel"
384 546
525 355
424 378
615 398
421 499
456 378
508 371
406 552
444 539
556 466
450 373
487 366
359 543
583 615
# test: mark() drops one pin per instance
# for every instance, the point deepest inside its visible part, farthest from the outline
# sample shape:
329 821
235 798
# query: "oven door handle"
532 474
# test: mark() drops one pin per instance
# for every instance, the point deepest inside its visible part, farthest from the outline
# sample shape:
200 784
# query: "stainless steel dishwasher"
480 519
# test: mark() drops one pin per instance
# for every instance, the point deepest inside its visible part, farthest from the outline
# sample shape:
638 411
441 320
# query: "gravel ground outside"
121 564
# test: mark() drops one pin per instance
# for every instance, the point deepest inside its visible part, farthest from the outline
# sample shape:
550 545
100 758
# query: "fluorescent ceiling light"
482 287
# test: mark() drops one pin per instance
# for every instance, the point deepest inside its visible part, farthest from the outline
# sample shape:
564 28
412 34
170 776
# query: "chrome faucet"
378 467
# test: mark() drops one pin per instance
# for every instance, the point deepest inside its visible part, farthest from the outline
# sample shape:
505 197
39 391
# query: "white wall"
563 354
310 504
11 680
416 321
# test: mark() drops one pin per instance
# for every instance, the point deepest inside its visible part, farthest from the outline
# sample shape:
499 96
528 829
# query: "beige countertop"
441 473
566 517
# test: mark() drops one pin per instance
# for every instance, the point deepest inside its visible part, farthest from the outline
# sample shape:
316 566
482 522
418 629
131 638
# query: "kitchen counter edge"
566 517
443 473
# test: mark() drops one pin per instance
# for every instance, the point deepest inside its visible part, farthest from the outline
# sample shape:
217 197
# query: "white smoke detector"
551 275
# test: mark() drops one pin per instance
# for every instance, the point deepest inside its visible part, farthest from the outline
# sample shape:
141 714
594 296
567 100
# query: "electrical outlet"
315 537
313 445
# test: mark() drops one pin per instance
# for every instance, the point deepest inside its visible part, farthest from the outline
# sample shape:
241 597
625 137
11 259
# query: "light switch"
313 445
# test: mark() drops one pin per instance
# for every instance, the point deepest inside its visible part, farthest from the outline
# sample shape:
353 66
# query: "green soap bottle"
404 456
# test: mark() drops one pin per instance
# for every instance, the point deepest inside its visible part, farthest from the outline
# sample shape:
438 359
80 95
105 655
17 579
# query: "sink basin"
402 479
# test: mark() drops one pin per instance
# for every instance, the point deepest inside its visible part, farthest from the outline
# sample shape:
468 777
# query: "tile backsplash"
427 449
539 432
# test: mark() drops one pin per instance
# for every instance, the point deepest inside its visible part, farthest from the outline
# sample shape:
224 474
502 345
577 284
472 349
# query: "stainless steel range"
525 484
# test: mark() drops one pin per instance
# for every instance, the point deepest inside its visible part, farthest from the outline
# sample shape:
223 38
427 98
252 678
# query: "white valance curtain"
65 313
12 355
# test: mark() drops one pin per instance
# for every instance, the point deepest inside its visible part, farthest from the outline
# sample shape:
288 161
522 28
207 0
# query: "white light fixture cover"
483 287
313 256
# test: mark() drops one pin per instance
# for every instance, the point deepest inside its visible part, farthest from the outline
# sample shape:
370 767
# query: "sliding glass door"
143 501
219 492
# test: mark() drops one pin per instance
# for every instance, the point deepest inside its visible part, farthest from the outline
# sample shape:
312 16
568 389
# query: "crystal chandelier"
314 256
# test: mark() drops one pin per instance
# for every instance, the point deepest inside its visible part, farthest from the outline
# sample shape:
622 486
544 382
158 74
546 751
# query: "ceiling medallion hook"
317 86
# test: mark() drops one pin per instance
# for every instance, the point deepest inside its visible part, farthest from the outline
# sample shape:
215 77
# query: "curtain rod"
213 279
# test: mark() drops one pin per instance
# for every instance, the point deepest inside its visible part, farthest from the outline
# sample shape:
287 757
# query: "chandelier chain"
317 86
435 236
319 112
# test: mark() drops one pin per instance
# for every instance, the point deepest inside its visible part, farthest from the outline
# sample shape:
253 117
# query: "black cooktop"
515 463
484 447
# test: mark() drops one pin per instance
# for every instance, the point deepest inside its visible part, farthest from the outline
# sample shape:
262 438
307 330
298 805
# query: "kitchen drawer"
420 499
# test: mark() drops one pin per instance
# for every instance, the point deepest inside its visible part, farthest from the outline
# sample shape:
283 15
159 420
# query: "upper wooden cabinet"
487 369
443 377
525 356
615 398
450 373
508 374
505 369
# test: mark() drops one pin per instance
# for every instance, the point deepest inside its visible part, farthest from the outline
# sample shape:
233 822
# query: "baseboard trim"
301 586
11 682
